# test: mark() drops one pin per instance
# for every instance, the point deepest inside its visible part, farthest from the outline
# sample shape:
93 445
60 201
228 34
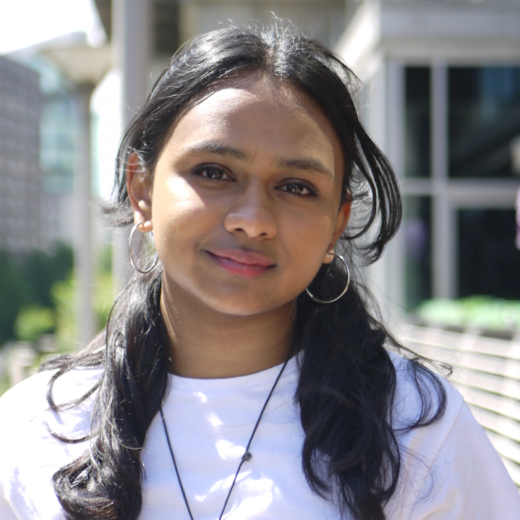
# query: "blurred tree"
33 321
42 270
63 294
104 287
37 295
25 287
483 312
15 292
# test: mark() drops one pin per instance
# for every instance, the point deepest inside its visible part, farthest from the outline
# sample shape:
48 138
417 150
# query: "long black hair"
347 380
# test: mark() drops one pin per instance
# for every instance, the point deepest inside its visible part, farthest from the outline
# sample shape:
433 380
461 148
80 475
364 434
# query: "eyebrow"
306 164
216 148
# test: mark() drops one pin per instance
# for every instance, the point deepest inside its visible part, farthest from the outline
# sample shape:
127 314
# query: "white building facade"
442 99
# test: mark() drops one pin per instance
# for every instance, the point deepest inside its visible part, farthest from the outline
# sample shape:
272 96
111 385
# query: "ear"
139 187
341 224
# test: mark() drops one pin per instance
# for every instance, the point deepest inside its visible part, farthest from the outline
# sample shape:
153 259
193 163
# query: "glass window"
488 261
417 230
483 119
417 122
57 143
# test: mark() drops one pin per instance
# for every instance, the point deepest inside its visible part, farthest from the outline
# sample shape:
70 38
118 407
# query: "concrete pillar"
395 131
444 221
377 274
132 47
83 254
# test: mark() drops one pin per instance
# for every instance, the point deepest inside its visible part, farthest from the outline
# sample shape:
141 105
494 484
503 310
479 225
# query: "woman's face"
246 197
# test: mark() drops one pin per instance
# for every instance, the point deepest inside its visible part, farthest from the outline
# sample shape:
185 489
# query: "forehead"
262 112
248 91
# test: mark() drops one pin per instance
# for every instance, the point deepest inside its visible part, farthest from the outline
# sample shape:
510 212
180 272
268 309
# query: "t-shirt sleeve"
467 479
450 470
18 407
6 512
29 452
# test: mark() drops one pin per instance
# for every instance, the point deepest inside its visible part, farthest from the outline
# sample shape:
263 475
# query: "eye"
298 188
211 172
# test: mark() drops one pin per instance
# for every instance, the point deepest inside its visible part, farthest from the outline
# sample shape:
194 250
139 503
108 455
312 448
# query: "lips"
241 262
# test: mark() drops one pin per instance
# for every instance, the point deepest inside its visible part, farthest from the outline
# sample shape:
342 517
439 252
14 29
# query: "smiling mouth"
247 264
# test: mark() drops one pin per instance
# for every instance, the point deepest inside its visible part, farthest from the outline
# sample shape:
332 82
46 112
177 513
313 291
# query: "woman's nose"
253 214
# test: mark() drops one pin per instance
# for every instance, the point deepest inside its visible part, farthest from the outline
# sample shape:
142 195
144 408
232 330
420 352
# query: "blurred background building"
52 150
21 203
443 100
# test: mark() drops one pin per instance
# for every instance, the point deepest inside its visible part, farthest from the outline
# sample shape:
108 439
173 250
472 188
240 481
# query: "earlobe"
328 257
139 187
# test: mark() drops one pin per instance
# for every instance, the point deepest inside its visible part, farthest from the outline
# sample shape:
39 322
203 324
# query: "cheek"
308 238
177 211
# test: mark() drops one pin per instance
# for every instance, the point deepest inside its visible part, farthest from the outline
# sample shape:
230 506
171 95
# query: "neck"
206 344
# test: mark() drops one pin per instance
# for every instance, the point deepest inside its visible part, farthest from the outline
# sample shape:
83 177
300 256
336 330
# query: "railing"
486 371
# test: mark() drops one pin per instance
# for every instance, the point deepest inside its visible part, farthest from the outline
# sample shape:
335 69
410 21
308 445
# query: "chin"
230 309
245 307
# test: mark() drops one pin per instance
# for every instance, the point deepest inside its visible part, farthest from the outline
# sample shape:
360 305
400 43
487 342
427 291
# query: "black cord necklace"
245 457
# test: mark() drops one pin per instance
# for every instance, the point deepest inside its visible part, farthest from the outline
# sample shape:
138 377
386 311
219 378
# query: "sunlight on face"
246 197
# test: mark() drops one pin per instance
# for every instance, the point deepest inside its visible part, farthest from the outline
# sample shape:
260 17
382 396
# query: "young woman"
242 373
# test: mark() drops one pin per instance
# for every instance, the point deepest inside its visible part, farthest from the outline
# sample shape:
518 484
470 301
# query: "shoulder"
27 401
422 392
30 446
425 410
448 465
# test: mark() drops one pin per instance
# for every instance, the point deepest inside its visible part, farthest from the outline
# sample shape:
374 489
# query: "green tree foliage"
104 287
477 311
37 295
33 321
15 292
63 298
26 284
62 294
43 270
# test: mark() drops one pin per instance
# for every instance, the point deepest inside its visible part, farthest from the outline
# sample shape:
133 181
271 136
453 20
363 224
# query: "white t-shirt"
449 470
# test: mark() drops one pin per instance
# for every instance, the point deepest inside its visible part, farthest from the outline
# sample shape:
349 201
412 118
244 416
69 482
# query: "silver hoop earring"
134 265
344 290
